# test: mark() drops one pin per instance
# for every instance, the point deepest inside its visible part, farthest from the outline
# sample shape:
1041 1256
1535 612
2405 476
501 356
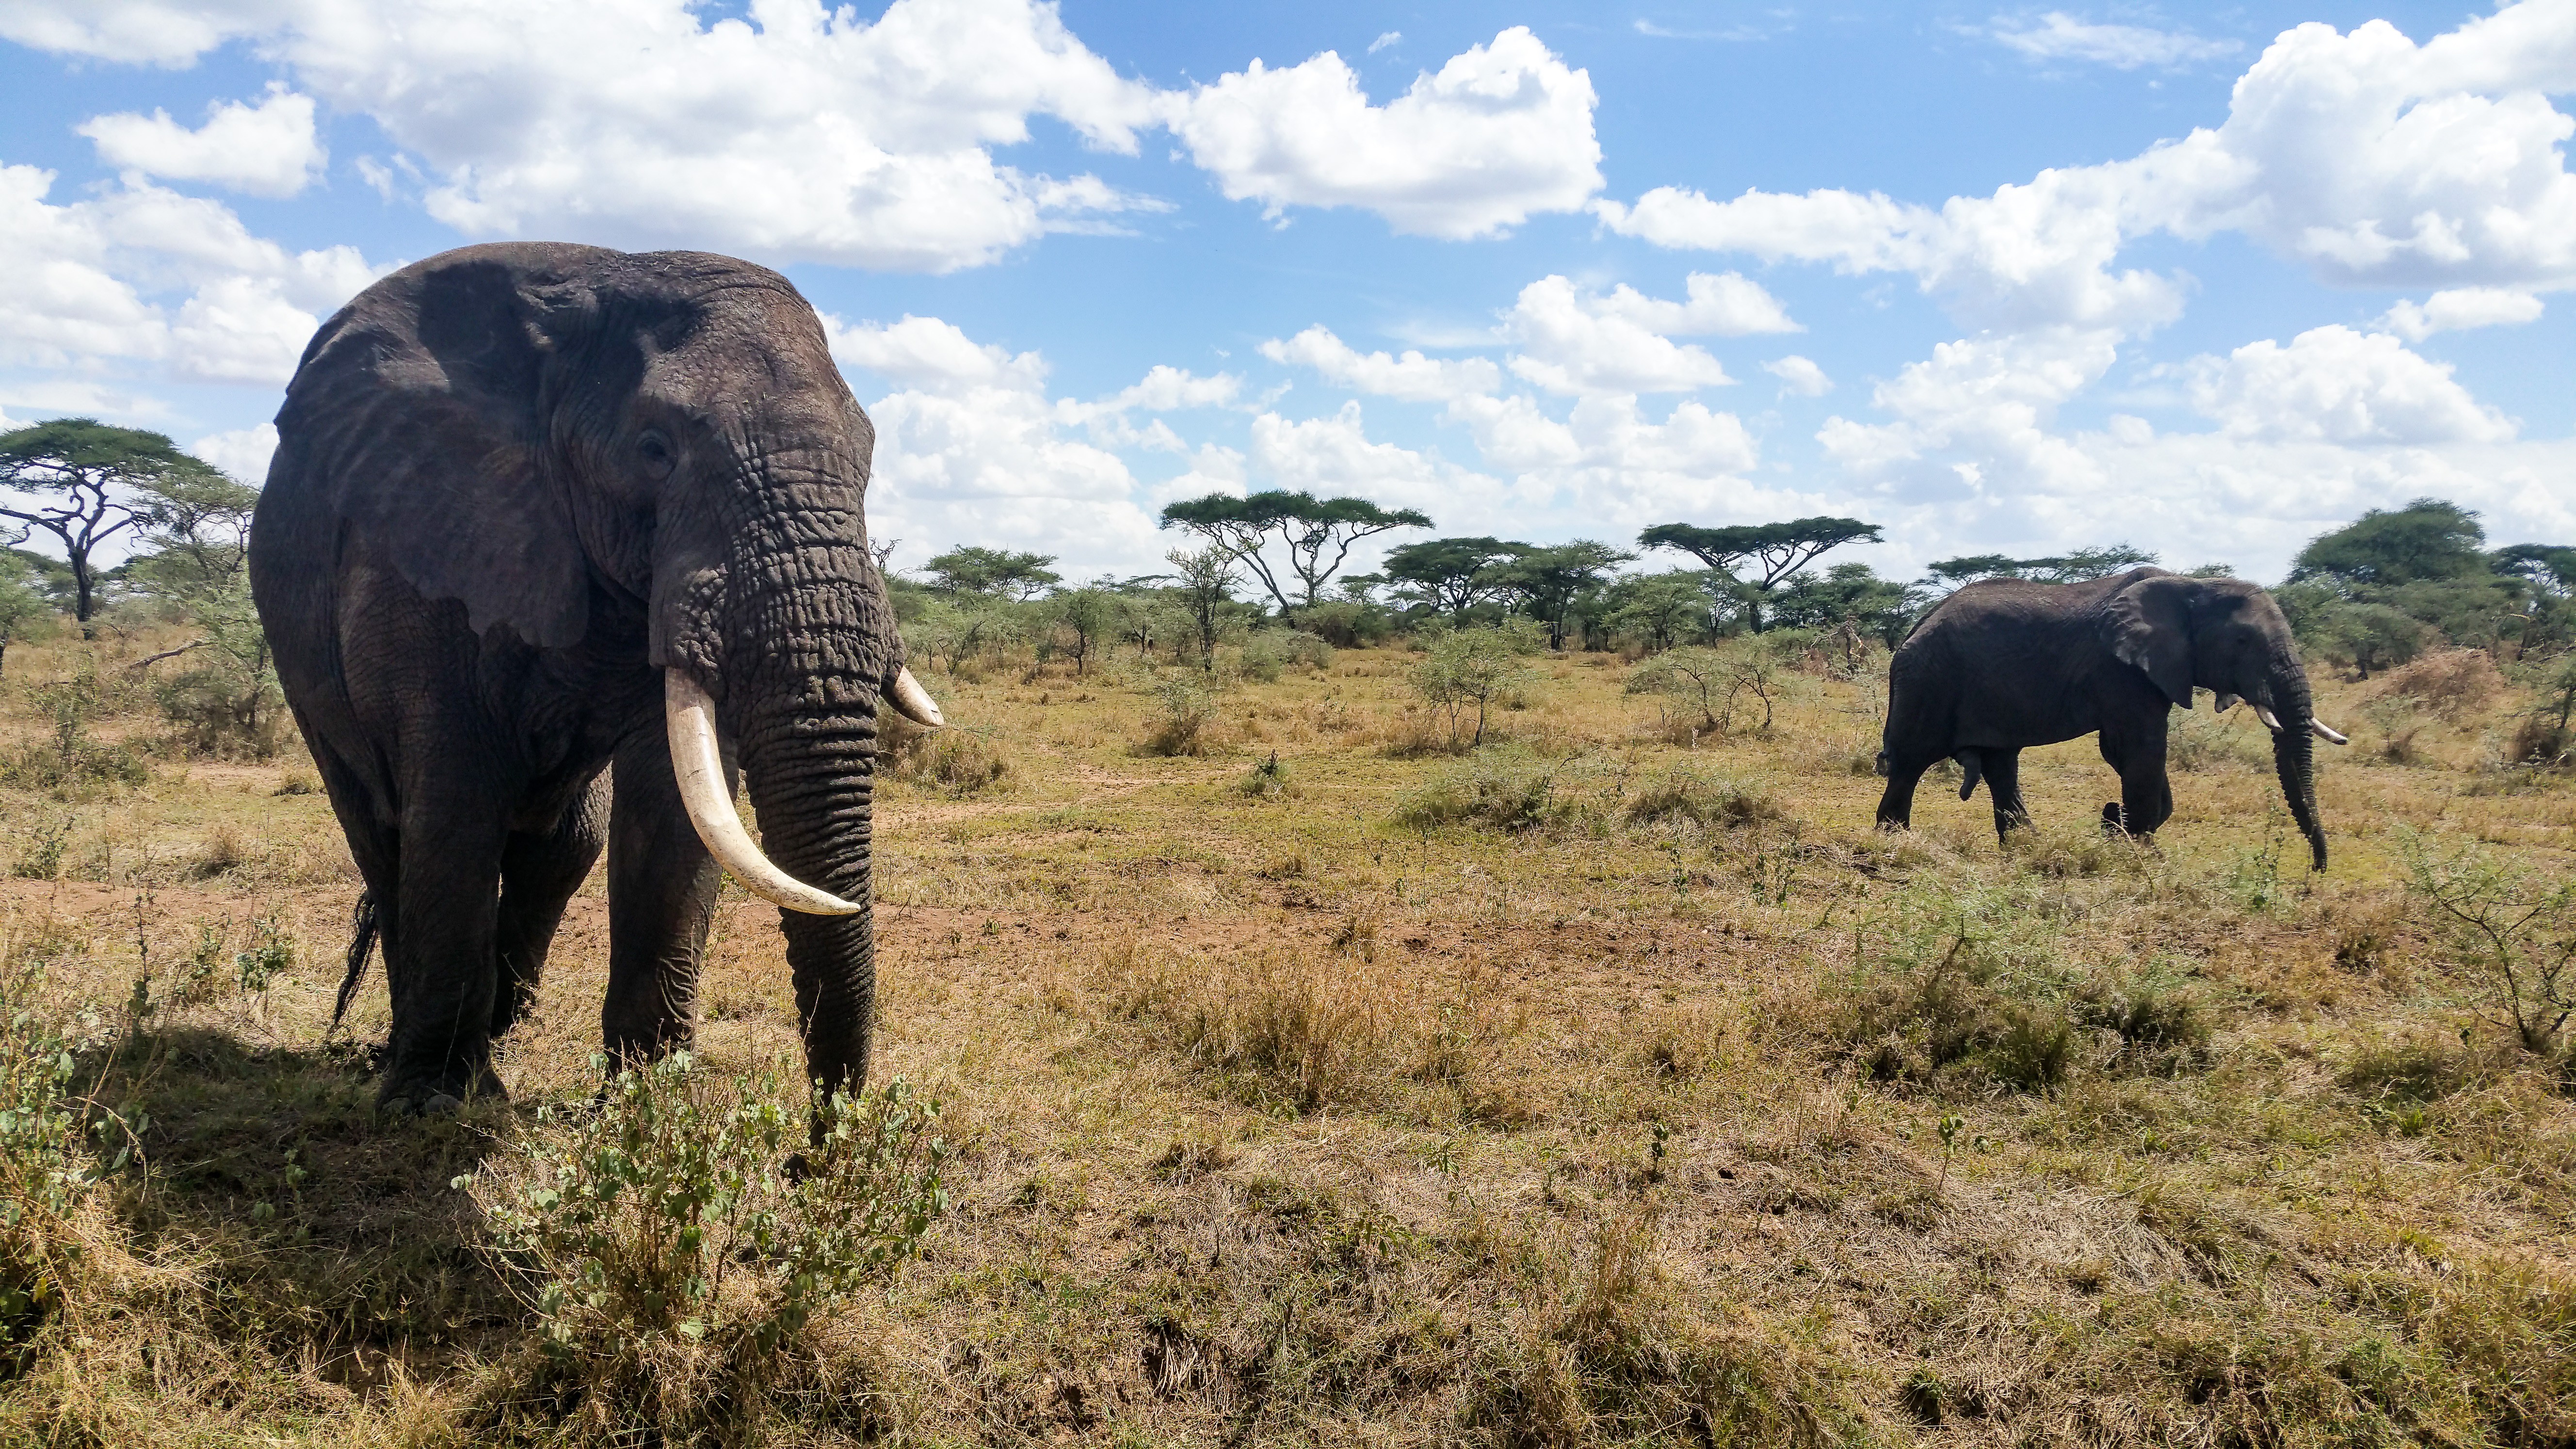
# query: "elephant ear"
2150 623
420 415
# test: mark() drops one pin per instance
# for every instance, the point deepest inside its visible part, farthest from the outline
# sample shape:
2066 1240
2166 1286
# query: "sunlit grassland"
1680 1106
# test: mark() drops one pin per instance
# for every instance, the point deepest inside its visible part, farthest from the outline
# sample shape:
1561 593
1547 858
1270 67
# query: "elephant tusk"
2327 732
2270 720
914 702
699 767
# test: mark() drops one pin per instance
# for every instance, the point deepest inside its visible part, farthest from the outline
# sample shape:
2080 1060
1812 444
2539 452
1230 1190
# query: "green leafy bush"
669 1247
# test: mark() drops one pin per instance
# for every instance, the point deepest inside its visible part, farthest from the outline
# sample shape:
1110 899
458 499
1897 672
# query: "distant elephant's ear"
420 416
2151 630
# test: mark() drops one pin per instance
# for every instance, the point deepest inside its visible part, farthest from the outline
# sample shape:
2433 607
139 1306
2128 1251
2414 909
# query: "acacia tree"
1205 577
1548 580
1317 534
2067 568
1087 615
1000 572
1774 550
85 482
1452 575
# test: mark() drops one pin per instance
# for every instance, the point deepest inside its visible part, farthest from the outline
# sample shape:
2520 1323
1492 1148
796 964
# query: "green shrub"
669 1249
1704 800
69 756
1494 791
1268 780
1469 672
1184 708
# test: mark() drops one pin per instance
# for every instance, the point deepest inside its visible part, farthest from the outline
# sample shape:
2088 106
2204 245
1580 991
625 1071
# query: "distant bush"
1348 625
1702 799
959 761
1713 690
1506 791
68 755
1183 715
2451 683
1467 673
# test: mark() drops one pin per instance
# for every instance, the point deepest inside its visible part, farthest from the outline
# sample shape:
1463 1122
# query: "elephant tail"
362 942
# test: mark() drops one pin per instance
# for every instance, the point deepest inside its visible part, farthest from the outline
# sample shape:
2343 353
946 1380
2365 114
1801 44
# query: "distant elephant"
538 508
2005 664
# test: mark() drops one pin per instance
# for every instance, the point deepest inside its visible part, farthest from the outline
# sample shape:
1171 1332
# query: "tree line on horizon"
2367 596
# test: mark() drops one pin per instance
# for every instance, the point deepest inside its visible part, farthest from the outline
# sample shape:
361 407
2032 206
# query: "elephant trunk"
2294 755
810 772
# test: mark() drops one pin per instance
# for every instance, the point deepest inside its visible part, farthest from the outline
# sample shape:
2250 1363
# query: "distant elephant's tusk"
2270 720
2327 732
699 768
914 702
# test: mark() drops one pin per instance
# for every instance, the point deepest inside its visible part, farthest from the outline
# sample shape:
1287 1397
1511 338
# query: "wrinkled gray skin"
513 484
2005 664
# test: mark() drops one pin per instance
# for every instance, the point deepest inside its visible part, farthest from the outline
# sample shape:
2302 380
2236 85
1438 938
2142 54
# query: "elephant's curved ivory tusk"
691 717
914 702
2327 732
2270 720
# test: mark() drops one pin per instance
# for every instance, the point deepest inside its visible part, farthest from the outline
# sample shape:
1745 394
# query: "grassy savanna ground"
1686 1109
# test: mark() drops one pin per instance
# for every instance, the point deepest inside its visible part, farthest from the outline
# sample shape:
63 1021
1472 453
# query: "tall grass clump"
671 1251
1504 789
1958 988
1279 1028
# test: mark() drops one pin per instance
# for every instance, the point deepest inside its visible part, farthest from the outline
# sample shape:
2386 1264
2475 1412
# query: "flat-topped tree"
1000 572
1549 580
1452 575
90 482
1317 533
1773 550
2066 568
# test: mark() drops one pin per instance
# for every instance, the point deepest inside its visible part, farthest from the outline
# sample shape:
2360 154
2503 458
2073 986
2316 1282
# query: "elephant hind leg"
539 873
1896 806
2003 787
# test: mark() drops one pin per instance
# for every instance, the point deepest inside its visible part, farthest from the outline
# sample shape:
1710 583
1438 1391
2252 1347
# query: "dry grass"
1592 1089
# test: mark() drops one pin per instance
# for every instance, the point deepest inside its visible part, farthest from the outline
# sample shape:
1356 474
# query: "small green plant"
46 1169
1268 780
70 756
668 1245
270 953
44 857
1950 1125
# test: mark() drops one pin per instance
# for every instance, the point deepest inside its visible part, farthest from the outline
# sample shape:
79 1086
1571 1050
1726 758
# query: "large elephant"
541 510
2006 664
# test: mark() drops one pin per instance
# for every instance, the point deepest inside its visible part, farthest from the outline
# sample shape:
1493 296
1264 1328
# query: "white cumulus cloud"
268 149
2366 157
1799 375
138 274
2333 384
1577 342
1500 132
2460 309
241 452
1410 377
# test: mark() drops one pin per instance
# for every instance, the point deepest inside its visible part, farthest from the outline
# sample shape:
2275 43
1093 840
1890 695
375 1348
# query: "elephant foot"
434 1099
2112 824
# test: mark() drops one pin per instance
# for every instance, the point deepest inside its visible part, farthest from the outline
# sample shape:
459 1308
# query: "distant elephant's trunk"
2294 753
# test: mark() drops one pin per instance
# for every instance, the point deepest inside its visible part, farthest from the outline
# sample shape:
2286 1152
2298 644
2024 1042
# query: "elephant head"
646 460
2228 636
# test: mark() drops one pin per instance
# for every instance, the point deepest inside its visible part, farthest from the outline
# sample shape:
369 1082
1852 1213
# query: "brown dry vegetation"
1323 1087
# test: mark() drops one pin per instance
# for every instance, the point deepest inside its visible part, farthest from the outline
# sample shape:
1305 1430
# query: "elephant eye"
656 452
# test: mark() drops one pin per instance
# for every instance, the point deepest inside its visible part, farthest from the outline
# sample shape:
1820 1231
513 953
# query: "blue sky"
2203 279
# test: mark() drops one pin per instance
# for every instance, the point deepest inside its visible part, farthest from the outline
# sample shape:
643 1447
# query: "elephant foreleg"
661 899
539 873
440 965
2003 787
2146 796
